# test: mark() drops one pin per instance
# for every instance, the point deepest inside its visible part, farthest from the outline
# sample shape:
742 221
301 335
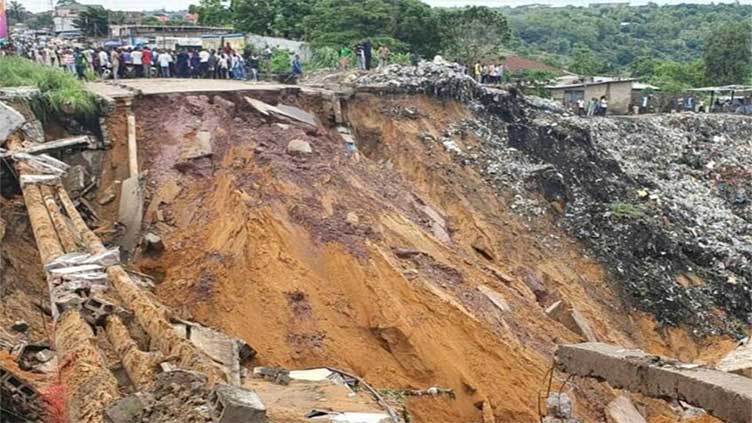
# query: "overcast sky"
38 5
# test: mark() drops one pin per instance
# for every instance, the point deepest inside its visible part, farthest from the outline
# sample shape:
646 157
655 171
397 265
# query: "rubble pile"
436 77
663 201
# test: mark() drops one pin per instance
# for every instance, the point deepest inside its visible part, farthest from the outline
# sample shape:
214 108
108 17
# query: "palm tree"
16 11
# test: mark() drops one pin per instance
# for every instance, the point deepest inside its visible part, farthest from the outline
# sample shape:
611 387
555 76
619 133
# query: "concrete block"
724 395
621 410
10 120
235 404
738 361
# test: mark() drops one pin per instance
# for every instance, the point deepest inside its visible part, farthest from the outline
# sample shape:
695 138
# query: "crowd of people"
488 73
593 107
146 62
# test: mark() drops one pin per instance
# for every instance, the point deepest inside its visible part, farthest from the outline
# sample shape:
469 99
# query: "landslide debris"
664 201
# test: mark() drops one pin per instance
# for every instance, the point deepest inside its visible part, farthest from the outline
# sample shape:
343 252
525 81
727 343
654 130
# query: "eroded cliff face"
427 257
462 236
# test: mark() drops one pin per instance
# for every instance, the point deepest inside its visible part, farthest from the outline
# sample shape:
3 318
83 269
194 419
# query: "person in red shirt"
146 59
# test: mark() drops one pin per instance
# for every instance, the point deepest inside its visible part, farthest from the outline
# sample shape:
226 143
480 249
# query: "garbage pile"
665 202
437 77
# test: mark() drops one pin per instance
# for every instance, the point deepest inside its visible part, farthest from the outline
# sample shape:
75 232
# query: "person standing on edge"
80 63
368 53
603 106
212 65
164 63
115 62
383 55
138 63
203 65
253 63
103 63
297 68
195 64
344 58
182 64
591 107
146 58
580 107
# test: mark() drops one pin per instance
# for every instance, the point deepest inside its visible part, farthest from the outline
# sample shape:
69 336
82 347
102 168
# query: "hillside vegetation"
619 39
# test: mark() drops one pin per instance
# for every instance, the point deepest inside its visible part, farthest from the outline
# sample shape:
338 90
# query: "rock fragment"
297 147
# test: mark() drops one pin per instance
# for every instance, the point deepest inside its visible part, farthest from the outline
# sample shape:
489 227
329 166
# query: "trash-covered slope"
663 201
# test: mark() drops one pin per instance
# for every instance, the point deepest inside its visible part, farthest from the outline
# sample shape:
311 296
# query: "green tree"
212 12
727 54
584 62
16 12
282 18
473 33
93 21
344 22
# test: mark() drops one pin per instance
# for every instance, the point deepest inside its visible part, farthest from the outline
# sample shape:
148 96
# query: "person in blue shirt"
297 68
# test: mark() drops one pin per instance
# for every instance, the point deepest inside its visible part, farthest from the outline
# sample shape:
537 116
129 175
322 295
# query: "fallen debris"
10 121
738 361
235 404
299 147
724 395
571 319
559 407
621 410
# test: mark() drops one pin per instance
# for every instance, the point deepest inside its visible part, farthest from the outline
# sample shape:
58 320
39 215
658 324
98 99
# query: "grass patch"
61 92
622 209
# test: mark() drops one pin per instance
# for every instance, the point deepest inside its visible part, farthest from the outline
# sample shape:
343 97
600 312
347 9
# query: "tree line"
465 34
672 46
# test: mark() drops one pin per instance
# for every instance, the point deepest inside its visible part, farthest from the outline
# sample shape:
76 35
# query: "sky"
39 5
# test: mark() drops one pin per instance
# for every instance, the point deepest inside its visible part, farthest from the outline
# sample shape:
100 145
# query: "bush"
279 62
400 58
61 92
325 58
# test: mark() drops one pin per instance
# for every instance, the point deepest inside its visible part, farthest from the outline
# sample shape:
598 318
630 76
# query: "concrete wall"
259 42
618 94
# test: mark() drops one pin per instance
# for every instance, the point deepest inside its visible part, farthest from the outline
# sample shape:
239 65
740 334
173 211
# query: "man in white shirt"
203 66
137 60
104 62
165 58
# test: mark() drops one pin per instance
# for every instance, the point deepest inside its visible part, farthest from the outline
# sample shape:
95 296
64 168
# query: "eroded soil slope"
376 261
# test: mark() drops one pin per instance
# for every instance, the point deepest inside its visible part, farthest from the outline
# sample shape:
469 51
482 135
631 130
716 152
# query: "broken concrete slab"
724 395
220 347
311 375
236 404
738 361
10 121
571 319
283 110
621 410
130 212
